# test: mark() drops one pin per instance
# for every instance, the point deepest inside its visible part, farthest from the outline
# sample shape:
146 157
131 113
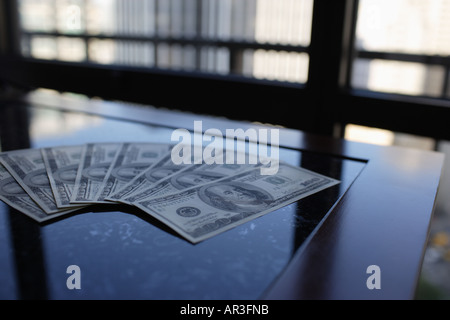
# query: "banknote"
28 168
188 177
96 159
130 161
62 166
15 196
161 169
201 212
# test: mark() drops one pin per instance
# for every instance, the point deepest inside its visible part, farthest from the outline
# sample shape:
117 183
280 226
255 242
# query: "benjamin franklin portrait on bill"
96 172
235 197
67 174
38 178
10 187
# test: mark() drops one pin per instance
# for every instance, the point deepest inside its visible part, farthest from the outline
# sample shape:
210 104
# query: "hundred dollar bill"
28 168
191 176
130 161
201 212
161 169
15 196
62 166
96 159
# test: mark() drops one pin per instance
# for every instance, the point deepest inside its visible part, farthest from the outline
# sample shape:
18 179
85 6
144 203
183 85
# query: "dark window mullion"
348 44
86 40
232 44
327 36
198 33
12 27
445 85
405 57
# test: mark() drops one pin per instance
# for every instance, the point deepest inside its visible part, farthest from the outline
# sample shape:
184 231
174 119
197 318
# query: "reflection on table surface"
124 253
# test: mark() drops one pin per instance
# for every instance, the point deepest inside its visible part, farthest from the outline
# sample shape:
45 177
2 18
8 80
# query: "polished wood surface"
382 219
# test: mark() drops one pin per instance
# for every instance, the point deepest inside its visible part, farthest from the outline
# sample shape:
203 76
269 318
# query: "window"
402 46
263 39
376 63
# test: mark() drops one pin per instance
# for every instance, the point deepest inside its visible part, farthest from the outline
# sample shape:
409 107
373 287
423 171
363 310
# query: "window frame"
322 105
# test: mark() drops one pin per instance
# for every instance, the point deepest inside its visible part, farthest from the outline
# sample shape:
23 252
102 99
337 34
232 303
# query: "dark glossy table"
316 248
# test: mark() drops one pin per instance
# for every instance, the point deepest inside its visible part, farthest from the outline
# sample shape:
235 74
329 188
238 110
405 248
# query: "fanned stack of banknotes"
196 200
